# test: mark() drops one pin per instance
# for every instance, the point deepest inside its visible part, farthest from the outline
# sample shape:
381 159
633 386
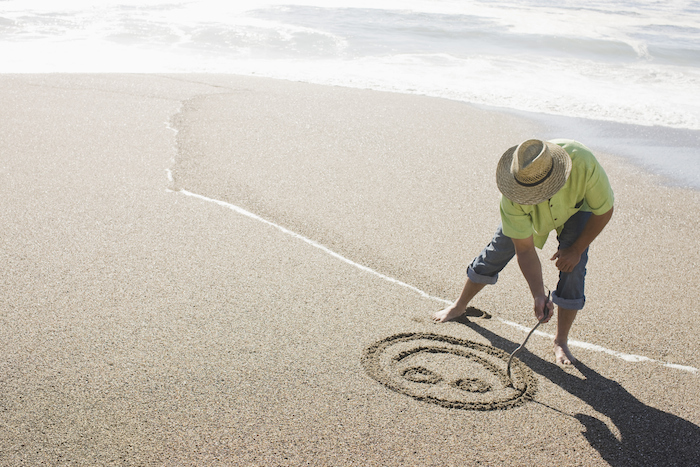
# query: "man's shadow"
649 436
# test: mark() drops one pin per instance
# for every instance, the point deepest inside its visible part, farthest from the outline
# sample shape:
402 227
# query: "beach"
195 266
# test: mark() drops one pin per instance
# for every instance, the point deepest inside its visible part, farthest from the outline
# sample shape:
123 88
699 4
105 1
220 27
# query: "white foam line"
597 348
314 244
574 343
682 367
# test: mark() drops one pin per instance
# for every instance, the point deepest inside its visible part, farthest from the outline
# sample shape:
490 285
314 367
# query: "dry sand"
141 326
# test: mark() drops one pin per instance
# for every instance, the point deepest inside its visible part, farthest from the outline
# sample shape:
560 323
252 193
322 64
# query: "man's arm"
569 257
530 265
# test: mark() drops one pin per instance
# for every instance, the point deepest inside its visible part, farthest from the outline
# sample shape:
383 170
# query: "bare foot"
449 313
563 355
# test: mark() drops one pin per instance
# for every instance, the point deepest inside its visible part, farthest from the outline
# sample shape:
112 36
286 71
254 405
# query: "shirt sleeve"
599 195
516 223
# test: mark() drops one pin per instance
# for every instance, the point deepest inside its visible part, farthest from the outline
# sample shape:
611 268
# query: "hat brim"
530 195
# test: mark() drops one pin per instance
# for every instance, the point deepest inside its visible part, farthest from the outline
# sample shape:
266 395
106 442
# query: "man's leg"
483 270
459 307
565 318
570 294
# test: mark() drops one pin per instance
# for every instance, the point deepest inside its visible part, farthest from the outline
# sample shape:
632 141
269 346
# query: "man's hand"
567 259
543 302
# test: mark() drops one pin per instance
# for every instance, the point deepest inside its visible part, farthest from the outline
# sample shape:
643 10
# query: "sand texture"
148 317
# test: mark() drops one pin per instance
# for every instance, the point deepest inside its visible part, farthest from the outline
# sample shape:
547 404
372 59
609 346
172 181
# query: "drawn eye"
471 385
419 374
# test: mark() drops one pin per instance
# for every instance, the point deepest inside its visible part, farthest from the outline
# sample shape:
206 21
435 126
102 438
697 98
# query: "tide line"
574 343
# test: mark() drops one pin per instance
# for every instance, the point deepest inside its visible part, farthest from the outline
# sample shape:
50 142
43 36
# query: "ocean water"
635 64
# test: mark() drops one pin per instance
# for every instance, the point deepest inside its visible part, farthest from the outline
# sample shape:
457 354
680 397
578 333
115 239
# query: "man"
545 185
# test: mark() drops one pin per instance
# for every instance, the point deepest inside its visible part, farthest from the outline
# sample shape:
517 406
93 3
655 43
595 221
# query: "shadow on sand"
649 436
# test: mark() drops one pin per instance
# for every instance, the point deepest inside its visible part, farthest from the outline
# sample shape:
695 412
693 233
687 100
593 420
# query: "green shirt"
586 189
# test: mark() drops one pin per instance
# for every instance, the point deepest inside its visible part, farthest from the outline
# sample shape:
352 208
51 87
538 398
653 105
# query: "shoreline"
668 153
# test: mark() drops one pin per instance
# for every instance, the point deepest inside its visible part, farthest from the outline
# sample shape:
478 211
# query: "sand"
143 326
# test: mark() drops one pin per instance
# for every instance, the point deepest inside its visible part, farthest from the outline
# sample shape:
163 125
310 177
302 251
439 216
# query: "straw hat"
533 171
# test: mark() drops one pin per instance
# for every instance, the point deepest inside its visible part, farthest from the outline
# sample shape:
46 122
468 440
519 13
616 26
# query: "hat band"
551 169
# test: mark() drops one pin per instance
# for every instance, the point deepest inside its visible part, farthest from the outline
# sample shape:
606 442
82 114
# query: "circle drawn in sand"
450 372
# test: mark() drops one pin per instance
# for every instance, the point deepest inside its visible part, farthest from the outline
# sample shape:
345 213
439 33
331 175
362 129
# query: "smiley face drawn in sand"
450 372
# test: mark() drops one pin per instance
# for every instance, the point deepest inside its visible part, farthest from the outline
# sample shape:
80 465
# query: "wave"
632 62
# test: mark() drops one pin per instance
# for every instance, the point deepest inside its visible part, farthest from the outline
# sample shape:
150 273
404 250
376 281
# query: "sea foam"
635 62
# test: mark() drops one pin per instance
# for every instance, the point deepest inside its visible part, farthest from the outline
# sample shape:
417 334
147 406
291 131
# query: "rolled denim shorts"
570 289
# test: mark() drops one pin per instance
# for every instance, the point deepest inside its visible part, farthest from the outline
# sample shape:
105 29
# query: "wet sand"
140 325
